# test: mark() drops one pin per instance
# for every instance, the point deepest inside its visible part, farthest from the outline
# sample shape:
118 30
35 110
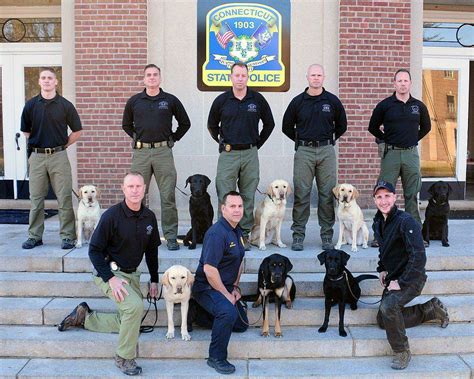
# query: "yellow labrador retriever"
269 215
352 227
88 214
177 282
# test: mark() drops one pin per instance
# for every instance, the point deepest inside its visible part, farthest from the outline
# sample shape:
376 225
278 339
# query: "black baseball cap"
383 184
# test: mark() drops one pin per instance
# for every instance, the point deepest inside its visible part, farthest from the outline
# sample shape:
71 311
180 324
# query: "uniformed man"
233 123
216 285
314 119
405 121
44 122
401 265
125 233
148 119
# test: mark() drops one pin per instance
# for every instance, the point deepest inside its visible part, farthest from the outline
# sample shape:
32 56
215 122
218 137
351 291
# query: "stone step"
422 366
305 311
47 259
80 284
297 342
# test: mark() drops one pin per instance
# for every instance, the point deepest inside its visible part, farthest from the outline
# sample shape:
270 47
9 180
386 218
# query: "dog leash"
184 193
349 287
150 300
246 307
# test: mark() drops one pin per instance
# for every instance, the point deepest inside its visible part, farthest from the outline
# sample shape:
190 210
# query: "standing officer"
402 260
314 119
233 123
405 121
125 233
44 123
217 278
148 119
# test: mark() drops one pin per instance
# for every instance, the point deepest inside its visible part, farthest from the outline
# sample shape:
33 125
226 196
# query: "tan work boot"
127 366
76 318
401 360
440 312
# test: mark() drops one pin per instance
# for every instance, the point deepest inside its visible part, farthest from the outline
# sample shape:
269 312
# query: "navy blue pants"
222 317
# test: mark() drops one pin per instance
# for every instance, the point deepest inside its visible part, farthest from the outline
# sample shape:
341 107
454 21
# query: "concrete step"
298 342
48 259
421 367
80 284
305 312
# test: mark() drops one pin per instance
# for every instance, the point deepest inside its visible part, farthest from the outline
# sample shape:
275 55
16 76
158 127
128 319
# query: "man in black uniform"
233 123
125 233
402 260
405 121
148 120
217 279
314 119
44 122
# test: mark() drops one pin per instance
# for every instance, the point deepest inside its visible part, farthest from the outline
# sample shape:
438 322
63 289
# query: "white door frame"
445 58
13 59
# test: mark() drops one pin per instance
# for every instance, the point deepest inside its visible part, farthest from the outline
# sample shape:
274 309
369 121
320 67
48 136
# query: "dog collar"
337 279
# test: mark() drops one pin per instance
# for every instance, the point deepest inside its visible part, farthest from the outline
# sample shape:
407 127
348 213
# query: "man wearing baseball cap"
401 270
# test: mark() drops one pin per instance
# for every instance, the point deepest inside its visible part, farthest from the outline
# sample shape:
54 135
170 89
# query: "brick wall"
111 51
374 42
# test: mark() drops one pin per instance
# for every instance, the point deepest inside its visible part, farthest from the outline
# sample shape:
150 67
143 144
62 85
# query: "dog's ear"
80 192
355 191
190 278
449 189
207 180
345 257
289 191
97 192
335 191
270 190
188 180
431 189
264 267
322 257
165 279
288 265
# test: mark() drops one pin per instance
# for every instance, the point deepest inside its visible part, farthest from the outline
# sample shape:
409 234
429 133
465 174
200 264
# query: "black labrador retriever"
200 209
340 286
274 284
435 226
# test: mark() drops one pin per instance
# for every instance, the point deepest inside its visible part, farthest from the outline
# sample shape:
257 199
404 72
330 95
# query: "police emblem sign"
256 34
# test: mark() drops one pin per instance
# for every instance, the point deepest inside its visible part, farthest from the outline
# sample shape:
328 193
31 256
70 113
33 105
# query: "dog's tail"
360 278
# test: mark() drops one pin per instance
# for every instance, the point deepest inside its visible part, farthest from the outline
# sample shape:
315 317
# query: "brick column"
111 51
374 41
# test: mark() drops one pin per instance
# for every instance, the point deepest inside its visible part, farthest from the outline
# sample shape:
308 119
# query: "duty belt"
149 145
228 147
315 143
392 147
115 267
48 150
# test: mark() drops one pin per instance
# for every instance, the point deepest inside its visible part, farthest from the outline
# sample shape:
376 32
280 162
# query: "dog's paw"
445 244
289 304
354 249
365 245
192 247
323 329
262 247
342 333
185 337
338 246
170 335
265 333
353 307
78 245
281 244
278 334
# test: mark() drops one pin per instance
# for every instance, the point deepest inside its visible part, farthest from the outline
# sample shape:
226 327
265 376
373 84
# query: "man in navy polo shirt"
217 278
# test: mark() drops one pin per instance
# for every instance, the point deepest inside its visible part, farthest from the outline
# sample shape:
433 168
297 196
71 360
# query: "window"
30 30
451 105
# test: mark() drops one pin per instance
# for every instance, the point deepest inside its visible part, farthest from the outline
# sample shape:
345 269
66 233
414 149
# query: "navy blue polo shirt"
404 124
47 121
223 249
125 236
236 121
315 118
151 117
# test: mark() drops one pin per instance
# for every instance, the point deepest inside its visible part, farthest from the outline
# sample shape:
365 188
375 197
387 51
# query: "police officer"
148 120
314 119
233 123
125 233
405 121
217 278
44 122
401 268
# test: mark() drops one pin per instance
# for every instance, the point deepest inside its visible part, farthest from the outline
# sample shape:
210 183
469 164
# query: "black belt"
315 143
149 145
48 150
128 270
228 147
392 147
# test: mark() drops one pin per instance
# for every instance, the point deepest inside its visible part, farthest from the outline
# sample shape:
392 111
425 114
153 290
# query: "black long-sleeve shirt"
315 118
404 124
401 251
125 235
151 117
236 121
47 121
